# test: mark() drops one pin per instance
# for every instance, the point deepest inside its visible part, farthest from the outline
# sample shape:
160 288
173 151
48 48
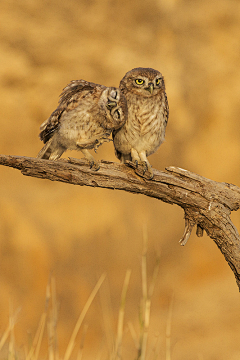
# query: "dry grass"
49 319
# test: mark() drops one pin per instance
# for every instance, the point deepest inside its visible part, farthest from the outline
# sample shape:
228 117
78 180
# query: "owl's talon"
96 146
100 142
149 171
151 174
145 167
94 165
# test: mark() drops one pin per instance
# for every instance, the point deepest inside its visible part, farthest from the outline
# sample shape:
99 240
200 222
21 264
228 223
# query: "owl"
144 129
84 119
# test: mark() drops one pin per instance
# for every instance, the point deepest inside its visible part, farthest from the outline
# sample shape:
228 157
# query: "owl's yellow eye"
158 81
139 81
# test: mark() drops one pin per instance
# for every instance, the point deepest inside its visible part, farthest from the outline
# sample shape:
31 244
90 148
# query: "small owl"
144 130
85 118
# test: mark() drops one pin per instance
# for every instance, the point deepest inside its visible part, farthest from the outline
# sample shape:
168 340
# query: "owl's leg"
140 159
93 163
146 164
135 156
100 142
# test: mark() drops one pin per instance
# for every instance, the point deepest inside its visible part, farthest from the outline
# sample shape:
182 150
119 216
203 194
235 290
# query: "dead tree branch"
206 203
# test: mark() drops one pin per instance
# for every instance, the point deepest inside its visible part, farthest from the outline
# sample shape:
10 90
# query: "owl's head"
115 106
144 82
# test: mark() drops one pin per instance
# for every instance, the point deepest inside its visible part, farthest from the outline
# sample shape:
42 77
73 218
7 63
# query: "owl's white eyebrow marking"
113 93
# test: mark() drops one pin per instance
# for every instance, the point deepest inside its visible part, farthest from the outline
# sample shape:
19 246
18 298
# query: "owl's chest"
145 115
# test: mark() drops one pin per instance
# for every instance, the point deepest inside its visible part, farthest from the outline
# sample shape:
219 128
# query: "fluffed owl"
144 130
85 118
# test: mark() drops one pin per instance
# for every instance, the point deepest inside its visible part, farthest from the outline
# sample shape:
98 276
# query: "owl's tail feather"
49 152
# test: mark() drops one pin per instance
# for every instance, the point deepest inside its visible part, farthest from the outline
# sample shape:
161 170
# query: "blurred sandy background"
77 233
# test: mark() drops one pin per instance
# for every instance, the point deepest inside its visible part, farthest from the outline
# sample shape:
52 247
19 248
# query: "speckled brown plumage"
86 116
144 130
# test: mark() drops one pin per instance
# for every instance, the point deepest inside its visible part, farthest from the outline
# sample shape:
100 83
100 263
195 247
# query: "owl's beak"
150 88
111 104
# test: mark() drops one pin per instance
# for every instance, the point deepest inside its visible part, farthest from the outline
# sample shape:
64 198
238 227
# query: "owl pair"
136 114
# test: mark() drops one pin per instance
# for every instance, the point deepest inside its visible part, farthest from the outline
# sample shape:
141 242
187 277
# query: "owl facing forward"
144 130
85 118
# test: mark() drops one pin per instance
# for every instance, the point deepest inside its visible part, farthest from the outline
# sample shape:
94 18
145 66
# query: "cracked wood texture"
206 203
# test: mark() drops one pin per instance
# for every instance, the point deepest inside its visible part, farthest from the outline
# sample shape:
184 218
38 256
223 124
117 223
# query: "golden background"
76 234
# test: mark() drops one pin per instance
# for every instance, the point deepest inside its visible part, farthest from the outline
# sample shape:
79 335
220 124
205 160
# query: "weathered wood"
206 203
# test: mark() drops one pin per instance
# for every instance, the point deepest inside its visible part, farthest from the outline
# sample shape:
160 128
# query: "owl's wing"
70 98
76 91
166 109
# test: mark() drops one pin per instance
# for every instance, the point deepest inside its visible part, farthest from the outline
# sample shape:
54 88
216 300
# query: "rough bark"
206 203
